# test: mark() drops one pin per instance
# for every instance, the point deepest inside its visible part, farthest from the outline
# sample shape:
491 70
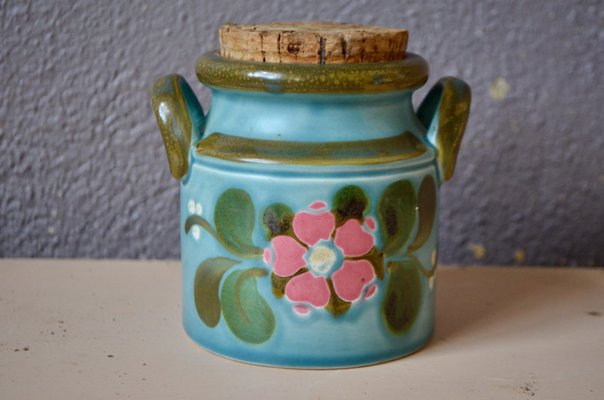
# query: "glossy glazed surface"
308 317
216 71
318 330
308 222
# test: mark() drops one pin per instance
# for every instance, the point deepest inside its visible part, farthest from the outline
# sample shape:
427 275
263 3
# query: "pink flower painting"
323 264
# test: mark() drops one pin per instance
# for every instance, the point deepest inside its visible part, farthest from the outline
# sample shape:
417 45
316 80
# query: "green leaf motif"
350 202
205 289
426 202
234 219
336 305
245 311
403 297
397 214
198 220
277 220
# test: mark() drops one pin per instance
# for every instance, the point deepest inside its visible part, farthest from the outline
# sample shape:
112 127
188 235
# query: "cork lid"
312 43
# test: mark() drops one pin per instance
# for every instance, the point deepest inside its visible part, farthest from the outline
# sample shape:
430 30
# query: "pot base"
300 362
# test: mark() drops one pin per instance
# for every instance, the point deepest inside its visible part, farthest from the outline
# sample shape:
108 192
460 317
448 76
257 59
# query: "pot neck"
311 117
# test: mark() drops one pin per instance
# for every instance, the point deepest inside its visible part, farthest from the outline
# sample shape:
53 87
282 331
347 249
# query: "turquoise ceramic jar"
309 198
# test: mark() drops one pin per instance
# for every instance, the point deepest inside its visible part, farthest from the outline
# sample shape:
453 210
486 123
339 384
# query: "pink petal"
289 256
349 281
310 228
318 205
353 240
307 288
370 222
371 291
300 309
267 256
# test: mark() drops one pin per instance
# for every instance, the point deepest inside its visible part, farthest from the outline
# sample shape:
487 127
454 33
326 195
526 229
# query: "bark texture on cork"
312 43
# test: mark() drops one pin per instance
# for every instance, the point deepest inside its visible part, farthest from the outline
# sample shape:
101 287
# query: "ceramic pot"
309 198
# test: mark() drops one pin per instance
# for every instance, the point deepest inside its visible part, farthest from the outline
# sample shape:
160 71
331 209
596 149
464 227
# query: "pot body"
308 226
302 330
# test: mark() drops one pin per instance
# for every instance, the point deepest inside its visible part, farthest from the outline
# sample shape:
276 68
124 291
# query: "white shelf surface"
83 329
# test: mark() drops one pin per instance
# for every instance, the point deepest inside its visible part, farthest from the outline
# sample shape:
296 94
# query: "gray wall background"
83 171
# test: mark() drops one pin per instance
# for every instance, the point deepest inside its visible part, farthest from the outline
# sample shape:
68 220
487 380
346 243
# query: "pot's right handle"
445 112
180 119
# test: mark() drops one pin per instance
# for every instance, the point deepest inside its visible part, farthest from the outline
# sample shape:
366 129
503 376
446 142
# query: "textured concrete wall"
83 171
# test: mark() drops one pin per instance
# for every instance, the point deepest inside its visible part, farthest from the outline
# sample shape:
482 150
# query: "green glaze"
445 111
178 115
426 204
198 220
234 218
217 71
278 282
350 202
246 312
336 305
403 295
277 220
376 258
359 152
207 280
397 214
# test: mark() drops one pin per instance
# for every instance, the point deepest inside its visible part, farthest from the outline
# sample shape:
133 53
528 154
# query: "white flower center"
322 259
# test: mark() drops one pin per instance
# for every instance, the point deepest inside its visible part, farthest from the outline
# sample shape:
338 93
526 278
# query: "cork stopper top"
312 43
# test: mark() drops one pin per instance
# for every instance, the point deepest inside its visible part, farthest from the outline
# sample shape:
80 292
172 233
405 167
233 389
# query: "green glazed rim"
408 73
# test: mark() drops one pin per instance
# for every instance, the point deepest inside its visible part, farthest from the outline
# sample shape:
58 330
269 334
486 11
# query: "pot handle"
444 112
180 119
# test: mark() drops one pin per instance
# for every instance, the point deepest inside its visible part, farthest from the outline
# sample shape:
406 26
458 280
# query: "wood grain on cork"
312 43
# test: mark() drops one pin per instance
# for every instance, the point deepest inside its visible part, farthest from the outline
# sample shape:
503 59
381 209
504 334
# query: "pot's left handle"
180 119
